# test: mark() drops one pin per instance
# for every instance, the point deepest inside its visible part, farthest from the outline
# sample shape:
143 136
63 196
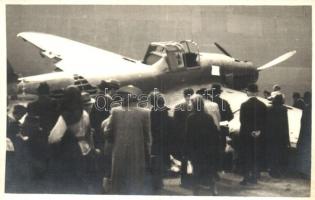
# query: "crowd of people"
78 145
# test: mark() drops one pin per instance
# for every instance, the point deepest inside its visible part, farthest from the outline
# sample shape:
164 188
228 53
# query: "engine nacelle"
238 77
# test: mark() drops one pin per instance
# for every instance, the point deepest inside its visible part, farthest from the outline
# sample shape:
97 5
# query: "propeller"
222 49
277 60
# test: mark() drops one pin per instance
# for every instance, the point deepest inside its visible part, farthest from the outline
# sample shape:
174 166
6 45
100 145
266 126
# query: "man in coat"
181 113
226 115
41 117
128 129
100 111
252 118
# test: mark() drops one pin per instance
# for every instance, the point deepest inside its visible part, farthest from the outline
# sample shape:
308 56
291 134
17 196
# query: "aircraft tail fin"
277 60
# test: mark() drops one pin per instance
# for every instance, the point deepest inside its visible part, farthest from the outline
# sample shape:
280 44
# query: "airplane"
169 66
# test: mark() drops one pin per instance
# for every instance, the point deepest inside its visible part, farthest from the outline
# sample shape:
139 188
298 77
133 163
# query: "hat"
111 84
129 89
86 99
216 88
252 88
129 94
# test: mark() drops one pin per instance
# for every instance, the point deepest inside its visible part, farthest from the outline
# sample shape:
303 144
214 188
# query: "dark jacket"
253 118
46 109
202 139
277 134
304 143
159 130
225 109
299 103
99 112
179 123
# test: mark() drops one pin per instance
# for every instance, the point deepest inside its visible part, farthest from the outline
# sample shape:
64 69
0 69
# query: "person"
17 158
210 107
252 119
298 102
277 137
128 129
160 123
214 94
201 145
71 142
276 91
266 94
101 109
181 113
41 116
99 112
225 109
305 138
87 101
45 108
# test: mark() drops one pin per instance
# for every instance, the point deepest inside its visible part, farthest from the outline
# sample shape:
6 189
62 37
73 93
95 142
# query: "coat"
224 108
160 124
128 129
202 141
277 135
304 143
180 116
71 146
99 112
252 118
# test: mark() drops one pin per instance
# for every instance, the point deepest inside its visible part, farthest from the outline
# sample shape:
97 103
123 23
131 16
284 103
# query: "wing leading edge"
76 57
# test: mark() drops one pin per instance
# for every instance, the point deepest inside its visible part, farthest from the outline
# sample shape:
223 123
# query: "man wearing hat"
181 113
224 106
41 117
276 91
99 112
252 118
225 114
128 129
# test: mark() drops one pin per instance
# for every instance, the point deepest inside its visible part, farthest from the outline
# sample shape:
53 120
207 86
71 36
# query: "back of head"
19 111
215 89
252 89
296 95
198 103
278 100
157 100
276 87
43 89
188 92
202 91
72 106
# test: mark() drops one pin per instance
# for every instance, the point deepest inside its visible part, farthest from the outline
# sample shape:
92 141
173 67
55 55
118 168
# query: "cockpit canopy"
178 54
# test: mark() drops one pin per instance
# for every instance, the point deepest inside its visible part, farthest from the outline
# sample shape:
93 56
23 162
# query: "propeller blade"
222 49
277 60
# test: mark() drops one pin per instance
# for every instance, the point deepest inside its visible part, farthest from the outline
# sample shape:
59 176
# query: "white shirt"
79 129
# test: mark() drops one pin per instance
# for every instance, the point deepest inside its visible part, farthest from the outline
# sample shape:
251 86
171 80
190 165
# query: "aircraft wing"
236 98
76 57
